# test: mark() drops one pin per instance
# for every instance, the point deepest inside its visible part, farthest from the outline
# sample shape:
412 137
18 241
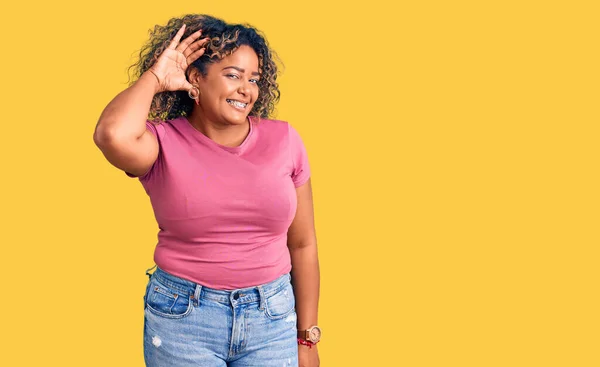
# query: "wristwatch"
312 334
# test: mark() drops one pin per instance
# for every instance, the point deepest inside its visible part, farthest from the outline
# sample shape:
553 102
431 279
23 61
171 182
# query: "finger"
195 56
195 46
177 37
187 85
186 42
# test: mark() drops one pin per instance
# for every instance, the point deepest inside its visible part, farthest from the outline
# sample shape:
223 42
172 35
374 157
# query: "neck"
229 135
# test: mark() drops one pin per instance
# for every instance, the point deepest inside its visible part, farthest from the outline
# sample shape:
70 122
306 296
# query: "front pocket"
168 303
281 303
146 292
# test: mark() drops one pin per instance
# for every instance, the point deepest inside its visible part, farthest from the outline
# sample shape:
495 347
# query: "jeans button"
236 296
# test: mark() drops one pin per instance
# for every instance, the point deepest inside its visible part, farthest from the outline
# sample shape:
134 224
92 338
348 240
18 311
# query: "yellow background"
454 149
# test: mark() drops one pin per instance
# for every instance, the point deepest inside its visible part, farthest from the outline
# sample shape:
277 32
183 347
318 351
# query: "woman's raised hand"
171 65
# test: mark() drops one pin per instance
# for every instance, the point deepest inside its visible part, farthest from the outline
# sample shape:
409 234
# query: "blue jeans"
186 324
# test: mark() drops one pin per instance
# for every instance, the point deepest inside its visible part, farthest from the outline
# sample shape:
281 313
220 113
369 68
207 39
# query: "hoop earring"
194 93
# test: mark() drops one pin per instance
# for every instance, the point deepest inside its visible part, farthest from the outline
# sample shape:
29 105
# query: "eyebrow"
240 70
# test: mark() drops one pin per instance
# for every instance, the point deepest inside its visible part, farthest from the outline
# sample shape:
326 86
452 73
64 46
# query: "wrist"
308 343
311 335
153 79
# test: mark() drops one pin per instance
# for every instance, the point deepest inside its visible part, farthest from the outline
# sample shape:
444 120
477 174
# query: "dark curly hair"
224 40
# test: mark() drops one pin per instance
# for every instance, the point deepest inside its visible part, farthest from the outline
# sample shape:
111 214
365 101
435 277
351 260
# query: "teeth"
236 103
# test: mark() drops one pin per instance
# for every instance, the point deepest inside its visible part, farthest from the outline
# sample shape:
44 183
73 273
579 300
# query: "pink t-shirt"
223 212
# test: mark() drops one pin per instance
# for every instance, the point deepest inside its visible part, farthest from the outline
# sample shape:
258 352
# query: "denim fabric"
186 324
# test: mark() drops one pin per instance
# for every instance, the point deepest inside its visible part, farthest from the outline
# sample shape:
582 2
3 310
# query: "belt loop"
150 274
263 300
196 296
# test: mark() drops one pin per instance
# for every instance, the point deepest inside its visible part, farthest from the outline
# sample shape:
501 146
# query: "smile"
237 104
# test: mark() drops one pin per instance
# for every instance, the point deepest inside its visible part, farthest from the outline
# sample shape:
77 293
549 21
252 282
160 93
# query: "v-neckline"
234 150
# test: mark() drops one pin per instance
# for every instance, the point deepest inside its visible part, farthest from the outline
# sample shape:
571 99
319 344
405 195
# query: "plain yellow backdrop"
454 152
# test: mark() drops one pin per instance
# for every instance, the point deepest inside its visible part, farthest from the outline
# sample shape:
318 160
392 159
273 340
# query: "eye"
232 76
255 81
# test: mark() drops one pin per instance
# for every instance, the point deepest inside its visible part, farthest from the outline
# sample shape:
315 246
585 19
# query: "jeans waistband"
198 292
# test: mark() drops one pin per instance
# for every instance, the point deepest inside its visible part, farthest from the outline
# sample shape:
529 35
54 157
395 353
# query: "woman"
237 277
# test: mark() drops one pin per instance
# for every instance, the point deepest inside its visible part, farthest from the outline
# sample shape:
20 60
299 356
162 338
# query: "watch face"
315 334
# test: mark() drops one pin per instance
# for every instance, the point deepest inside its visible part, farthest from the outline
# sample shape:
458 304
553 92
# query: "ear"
194 76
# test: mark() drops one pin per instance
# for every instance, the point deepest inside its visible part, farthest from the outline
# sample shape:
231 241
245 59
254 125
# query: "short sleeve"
301 167
158 131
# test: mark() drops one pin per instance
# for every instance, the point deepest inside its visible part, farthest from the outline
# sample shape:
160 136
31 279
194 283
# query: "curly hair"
224 40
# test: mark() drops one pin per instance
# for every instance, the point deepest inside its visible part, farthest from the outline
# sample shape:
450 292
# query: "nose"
244 88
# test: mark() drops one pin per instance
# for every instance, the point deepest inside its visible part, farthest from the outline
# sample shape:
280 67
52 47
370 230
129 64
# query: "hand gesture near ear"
171 65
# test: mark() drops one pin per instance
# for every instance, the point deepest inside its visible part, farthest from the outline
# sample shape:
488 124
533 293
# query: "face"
230 87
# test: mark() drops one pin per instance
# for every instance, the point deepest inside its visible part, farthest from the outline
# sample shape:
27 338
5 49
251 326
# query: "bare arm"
121 132
125 116
302 243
